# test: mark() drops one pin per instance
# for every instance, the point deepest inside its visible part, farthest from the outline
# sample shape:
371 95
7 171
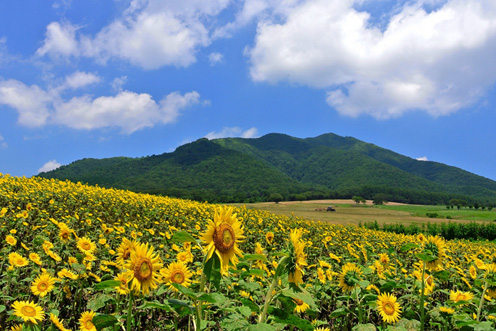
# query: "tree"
357 199
276 197
380 199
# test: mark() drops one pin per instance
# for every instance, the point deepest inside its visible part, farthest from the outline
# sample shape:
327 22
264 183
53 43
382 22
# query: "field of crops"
75 257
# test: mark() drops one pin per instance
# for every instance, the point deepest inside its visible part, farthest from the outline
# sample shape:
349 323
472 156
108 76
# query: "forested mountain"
241 169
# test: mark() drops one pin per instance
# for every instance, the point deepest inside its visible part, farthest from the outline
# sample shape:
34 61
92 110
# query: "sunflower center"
299 302
224 238
65 235
178 277
20 261
28 311
461 297
86 246
143 269
126 254
42 286
388 308
88 324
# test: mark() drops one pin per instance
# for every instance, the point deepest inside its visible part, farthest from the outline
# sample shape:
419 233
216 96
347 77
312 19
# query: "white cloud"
30 102
149 34
80 79
118 83
215 58
126 110
60 40
438 61
232 132
423 158
50 165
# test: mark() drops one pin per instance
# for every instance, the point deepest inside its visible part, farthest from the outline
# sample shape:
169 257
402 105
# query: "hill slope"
239 169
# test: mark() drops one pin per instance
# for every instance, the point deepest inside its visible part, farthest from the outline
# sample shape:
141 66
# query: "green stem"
130 311
360 319
422 313
268 298
481 302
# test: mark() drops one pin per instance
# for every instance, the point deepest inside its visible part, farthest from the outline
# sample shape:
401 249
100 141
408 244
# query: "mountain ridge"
251 169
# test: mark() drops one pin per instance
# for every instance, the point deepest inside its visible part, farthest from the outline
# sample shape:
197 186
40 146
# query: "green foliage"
250 170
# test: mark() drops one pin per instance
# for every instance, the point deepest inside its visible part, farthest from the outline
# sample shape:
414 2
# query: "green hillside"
241 170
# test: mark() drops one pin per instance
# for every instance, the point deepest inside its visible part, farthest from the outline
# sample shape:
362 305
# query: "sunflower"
124 251
85 245
86 321
123 288
28 311
143 268
177 273
350 274
185 256
321 275
222 237
460 296
17 260
11 240
473 272
35 257
64 233
17 327
384 259
301 306
436 247
446 310
269 237
322 329
42 285
298 258
388 308
58 323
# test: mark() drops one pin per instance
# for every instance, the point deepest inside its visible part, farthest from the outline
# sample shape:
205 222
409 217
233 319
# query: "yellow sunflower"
437 247
301 306
177 273
297 256
58 323
269 237
446 310
388 308
35 257
473 272
223 235
124 251
17 260
350 274
85 245
457 296
11 240
28 311
86 321
123 288
17 327
64 233
42 285
143 267
184 256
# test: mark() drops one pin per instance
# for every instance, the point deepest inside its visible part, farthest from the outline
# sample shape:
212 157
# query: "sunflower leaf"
102 321
107 284
257 257
183 236
212 270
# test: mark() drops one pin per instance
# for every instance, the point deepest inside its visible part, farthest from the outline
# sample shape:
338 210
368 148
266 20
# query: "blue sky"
109 78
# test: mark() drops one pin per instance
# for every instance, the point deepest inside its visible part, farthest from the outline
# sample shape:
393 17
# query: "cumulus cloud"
149 34
215 58
423 158
80 79
233 132
438 61
126 110
60 39
50 165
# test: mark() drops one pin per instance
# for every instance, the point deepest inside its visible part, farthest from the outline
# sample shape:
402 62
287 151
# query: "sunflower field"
77 257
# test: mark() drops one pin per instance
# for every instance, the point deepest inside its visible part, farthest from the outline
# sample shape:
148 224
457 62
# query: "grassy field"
347 212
